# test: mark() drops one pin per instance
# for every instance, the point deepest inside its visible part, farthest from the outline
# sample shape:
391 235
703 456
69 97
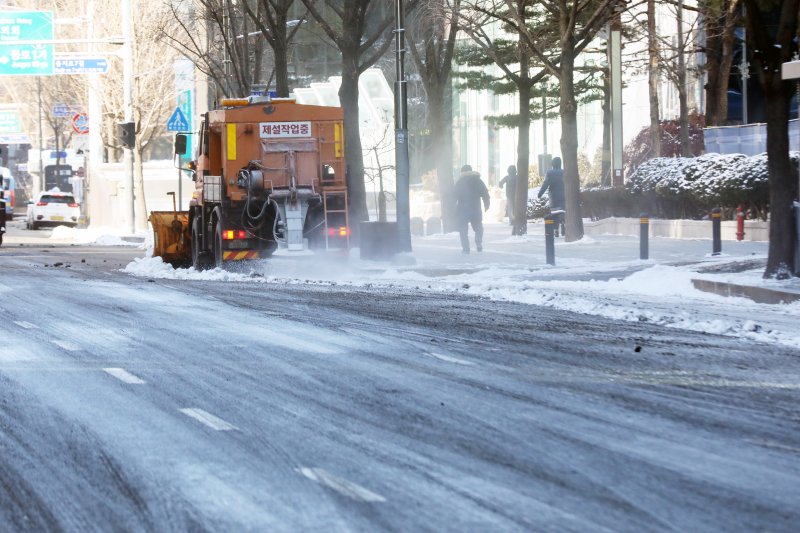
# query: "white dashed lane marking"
26 325
340 485
124 376
68 346
448 359
208 419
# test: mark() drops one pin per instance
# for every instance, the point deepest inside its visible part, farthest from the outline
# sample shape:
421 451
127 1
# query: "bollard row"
644 235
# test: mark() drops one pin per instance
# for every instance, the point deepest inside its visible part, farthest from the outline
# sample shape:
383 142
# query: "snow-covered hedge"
686 187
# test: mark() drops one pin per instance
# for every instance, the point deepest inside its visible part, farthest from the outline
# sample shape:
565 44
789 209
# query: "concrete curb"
754 230
760 295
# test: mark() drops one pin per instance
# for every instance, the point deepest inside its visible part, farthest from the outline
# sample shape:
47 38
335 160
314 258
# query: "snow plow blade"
171 237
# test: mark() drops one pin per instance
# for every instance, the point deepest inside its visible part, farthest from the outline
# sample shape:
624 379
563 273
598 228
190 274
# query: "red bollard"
739 223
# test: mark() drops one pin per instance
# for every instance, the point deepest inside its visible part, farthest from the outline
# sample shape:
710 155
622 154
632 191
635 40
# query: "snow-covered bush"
747 183
688 187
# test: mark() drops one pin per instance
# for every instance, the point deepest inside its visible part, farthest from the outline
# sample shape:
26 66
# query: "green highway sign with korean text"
26 59
10 121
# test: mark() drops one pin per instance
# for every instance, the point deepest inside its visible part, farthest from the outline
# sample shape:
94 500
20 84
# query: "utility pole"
127 97
40 185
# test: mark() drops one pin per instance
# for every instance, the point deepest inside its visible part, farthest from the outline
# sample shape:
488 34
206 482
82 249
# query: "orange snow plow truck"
269 175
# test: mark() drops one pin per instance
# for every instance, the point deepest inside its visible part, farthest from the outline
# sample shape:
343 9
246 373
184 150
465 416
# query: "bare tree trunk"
726 60
713 53
783 186
683 104
569 144
653 78
775 49
138 190
281 72
523 143
348 96
720 29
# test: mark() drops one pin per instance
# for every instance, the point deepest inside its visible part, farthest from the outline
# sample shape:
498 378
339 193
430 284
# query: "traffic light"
126 134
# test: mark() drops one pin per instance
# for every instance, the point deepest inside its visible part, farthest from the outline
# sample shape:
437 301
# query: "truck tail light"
342 231
40 204
73 204
230 234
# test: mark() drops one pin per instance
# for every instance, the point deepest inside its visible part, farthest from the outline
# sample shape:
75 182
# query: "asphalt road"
166 405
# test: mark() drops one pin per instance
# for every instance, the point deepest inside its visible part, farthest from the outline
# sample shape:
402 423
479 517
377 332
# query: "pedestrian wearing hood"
510 181
470 191
554 182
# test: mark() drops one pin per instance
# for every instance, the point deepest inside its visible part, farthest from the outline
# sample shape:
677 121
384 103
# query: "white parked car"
53 208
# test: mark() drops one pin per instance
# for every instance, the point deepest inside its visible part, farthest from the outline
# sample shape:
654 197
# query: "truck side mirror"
180 144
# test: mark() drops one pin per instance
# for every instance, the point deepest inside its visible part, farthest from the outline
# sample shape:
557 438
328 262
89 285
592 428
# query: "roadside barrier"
716 230
644 236
550 239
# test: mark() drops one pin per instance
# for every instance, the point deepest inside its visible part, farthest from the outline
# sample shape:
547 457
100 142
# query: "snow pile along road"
657 294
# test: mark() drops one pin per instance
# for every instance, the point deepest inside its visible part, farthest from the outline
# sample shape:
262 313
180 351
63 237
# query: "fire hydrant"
739 223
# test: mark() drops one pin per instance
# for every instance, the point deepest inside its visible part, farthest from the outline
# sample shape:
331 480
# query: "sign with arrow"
26 59
81 65
64 110
178 122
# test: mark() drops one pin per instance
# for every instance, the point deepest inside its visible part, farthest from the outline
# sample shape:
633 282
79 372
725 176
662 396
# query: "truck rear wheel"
200 259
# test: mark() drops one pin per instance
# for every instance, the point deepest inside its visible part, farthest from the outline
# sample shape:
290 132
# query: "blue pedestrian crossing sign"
177 122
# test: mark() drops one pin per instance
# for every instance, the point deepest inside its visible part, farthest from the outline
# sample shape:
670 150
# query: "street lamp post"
401 136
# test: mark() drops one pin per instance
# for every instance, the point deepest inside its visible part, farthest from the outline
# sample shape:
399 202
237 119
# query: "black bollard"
716 225
550 239
644 236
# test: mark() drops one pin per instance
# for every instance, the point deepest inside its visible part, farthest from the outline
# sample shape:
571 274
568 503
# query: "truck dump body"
267 175
269 134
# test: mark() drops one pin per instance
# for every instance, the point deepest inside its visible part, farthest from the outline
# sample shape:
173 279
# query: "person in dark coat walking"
469 192
510 181
554 182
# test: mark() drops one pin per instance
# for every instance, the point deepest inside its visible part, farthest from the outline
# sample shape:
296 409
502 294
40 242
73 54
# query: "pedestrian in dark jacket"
554 182
510 181
469 192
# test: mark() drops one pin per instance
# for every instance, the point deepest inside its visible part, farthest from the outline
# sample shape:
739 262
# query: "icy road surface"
249 404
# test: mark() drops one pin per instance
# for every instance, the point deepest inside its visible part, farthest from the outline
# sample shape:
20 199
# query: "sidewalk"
736 271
